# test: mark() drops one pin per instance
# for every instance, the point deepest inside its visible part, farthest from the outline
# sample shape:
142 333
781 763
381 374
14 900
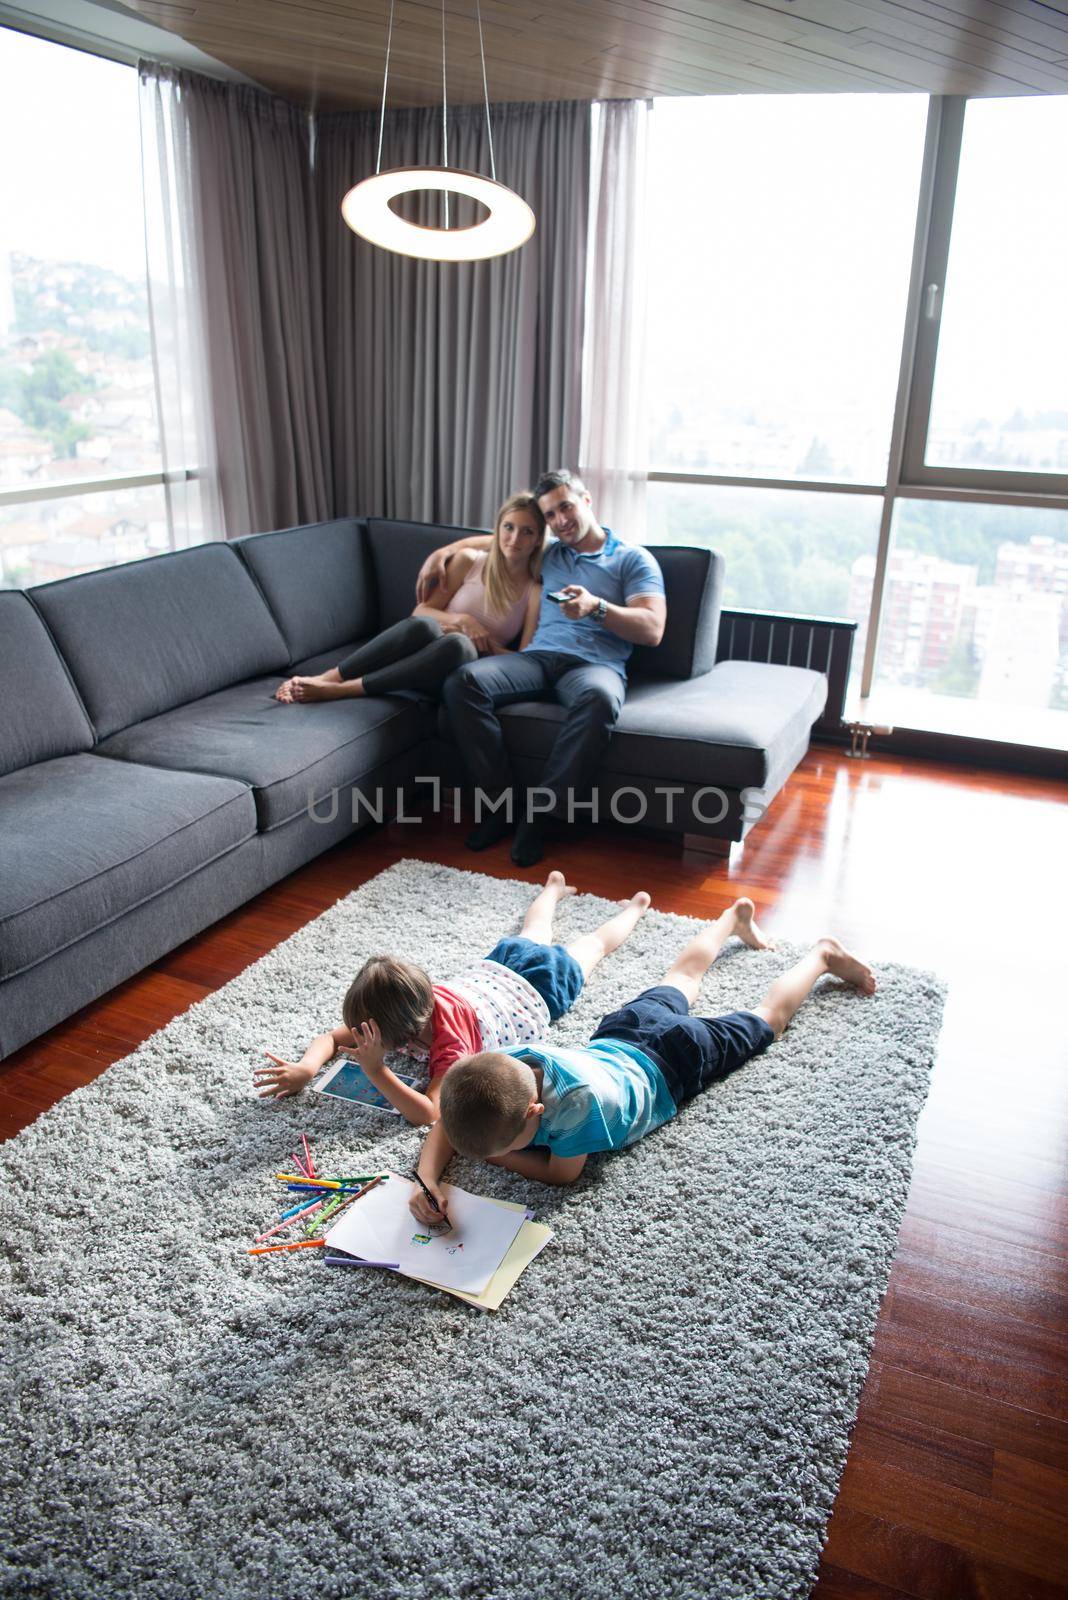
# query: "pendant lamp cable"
444 115
485 90
385 80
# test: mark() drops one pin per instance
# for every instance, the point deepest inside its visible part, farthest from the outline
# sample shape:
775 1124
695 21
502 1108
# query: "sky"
70 179
781 235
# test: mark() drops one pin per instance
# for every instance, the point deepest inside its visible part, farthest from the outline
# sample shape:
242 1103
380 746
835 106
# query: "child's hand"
369 1050
285 1077
423 1211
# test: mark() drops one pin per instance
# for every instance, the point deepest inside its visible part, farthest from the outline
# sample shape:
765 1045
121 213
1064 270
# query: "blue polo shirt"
617 573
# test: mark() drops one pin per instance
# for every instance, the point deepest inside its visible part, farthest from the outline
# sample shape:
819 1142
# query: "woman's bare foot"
842 965
745 928
284 692
325 687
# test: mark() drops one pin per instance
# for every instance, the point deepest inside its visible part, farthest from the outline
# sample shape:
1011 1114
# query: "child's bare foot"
842 965
559 884
745 928
642 900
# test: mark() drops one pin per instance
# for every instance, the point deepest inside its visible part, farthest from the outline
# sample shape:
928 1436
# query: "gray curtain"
451 385
255 241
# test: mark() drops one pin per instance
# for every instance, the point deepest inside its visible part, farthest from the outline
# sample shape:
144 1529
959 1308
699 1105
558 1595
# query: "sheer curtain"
451 385
614 452
236 297
175 298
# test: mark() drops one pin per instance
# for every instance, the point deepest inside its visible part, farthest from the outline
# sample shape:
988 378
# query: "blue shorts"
548 968
691 1052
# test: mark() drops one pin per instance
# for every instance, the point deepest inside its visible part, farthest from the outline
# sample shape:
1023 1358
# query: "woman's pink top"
471 597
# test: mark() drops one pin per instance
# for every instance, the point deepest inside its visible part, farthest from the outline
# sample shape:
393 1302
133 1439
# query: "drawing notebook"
465 1257
346 1080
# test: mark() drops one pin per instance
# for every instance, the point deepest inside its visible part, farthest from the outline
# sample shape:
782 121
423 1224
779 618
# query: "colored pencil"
337 1205
308 1156
381 1178
298 1244
342 1261
300 1164
287 1222
321 1183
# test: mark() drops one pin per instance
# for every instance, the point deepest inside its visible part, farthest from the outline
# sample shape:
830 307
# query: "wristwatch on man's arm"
602 610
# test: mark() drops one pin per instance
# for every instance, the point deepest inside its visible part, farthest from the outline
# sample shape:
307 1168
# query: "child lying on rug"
543 1110
501 1003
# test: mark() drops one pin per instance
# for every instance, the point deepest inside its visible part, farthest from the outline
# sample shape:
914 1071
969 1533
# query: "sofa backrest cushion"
693 586
41 716
144 637
318 582
398 550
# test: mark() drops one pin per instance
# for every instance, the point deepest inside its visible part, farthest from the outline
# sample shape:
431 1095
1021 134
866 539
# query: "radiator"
824 644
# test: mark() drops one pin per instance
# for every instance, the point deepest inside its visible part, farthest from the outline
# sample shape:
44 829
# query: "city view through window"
776 321
77 390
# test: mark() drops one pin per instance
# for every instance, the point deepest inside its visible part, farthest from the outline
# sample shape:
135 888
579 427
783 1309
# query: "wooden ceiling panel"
328 54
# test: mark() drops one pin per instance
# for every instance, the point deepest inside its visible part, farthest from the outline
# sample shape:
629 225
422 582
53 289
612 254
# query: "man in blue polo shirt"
612 598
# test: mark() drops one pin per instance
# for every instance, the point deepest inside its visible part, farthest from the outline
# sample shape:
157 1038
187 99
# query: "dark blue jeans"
413 654
593 697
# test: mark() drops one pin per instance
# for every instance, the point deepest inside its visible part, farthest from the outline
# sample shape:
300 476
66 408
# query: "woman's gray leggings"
413 654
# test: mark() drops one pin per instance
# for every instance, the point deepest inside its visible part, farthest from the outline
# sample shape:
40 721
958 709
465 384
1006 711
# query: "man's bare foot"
745 927
842 965
559 883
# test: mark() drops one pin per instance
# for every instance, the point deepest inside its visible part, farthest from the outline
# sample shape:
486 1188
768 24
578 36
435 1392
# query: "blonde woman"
487 600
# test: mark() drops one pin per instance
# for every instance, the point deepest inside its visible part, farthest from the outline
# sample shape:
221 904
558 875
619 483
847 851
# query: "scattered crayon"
299 1244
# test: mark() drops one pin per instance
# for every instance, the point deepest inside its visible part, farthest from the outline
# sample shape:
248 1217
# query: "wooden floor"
957 1482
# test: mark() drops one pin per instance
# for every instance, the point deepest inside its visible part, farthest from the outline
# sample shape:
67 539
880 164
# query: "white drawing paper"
380 1227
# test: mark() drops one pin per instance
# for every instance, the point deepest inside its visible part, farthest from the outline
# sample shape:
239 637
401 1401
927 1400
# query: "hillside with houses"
77 401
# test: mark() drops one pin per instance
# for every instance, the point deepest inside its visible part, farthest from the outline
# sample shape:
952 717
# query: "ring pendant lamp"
367 210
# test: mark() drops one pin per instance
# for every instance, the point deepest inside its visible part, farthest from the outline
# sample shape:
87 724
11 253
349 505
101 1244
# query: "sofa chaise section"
84 843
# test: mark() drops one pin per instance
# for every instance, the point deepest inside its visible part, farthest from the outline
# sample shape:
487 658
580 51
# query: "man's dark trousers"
593 696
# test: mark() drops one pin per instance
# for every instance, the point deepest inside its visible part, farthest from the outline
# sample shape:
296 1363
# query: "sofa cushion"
149 635
693 589
317 580
42 716
290 755
398 550
84 840
727 727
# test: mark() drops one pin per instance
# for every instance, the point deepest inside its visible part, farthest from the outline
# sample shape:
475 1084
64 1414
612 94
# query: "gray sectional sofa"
150 783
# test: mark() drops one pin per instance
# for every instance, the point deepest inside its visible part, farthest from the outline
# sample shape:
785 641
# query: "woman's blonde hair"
499 592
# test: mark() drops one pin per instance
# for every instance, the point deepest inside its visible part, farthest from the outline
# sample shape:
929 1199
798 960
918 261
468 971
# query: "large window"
973 636
780 235
1001 380
77 390
783 550
867 295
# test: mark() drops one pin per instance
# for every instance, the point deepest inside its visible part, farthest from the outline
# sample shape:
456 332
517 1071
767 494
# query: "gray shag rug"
660 1409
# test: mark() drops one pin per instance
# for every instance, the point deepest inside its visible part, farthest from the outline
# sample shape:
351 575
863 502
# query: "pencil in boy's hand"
430 1198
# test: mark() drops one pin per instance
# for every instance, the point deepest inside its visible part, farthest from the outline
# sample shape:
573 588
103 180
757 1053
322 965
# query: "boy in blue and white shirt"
542 1110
